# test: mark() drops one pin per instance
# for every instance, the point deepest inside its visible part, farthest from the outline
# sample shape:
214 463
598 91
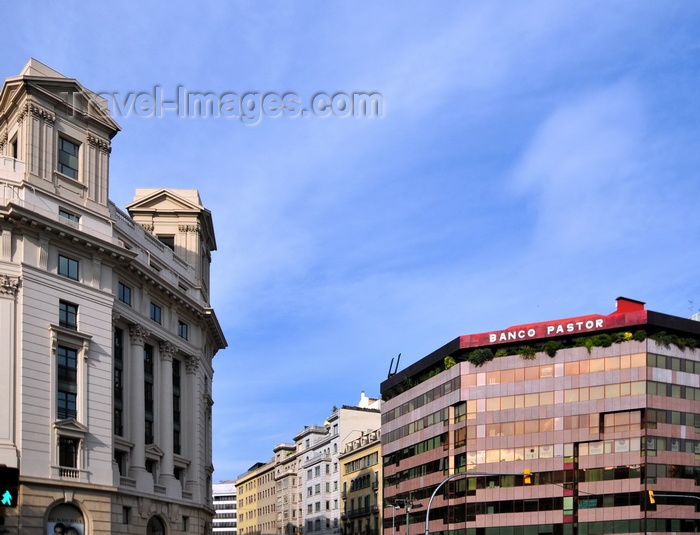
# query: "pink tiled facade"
597 426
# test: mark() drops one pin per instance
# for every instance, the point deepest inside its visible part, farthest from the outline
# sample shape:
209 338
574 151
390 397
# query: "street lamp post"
408 504
448 478
393 518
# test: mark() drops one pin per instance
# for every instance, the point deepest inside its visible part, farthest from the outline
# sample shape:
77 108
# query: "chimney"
625 305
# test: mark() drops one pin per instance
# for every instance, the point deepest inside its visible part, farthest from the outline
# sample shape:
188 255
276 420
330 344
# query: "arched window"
65 519
155 526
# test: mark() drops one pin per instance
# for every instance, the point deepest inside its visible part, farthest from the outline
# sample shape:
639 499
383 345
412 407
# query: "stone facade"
108 334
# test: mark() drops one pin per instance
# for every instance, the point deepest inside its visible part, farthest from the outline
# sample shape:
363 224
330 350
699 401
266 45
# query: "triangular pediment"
149 202
163 200
62 91
154 451
70 427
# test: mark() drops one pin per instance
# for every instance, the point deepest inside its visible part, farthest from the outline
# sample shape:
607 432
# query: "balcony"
359 511
149 250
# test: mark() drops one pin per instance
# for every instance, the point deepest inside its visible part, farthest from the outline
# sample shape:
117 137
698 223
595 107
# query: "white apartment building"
107 331
318 450
224 495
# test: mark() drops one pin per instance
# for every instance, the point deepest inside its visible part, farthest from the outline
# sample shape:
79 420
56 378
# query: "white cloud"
585 172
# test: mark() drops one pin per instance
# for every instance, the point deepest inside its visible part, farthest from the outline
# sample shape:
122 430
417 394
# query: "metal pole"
408 518
448 478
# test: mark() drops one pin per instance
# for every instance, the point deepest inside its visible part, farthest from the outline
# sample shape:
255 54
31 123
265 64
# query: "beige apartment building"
288 489
360 483
257 500
108 334
306 476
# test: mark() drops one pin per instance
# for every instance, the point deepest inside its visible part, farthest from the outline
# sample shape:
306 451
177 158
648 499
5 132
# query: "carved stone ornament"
8 285
36 111
188 228
191 364
100 143
167 351
138 333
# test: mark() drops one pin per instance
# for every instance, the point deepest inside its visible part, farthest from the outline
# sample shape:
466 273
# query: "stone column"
137 404
165 401
8 296
192 422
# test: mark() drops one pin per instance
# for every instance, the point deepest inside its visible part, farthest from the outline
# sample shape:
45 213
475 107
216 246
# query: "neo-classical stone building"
107 331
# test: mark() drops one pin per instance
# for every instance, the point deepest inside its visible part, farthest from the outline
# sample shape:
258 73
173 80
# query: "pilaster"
137 402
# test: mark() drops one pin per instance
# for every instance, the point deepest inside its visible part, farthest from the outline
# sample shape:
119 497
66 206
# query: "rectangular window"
68 158
67 315
182 330
68 267
118 382
124 294
120 461
155 313
168 241
66 395
68 452
148 392
177 443
68 215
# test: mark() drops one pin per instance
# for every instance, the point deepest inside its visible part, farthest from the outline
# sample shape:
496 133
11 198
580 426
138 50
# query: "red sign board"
629 314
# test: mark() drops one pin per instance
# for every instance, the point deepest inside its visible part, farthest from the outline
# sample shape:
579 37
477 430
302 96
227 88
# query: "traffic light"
527 477
651 496
9 482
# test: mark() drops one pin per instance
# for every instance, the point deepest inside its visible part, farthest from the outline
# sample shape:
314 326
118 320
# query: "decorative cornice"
36 111
100 143
188 228
138 333
22 114
9 285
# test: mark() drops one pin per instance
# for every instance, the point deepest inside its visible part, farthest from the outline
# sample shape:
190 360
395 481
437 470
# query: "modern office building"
224 495
587 425
107 331
361 491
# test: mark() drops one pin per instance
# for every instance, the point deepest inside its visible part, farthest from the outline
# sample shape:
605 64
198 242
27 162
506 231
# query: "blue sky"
535 160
